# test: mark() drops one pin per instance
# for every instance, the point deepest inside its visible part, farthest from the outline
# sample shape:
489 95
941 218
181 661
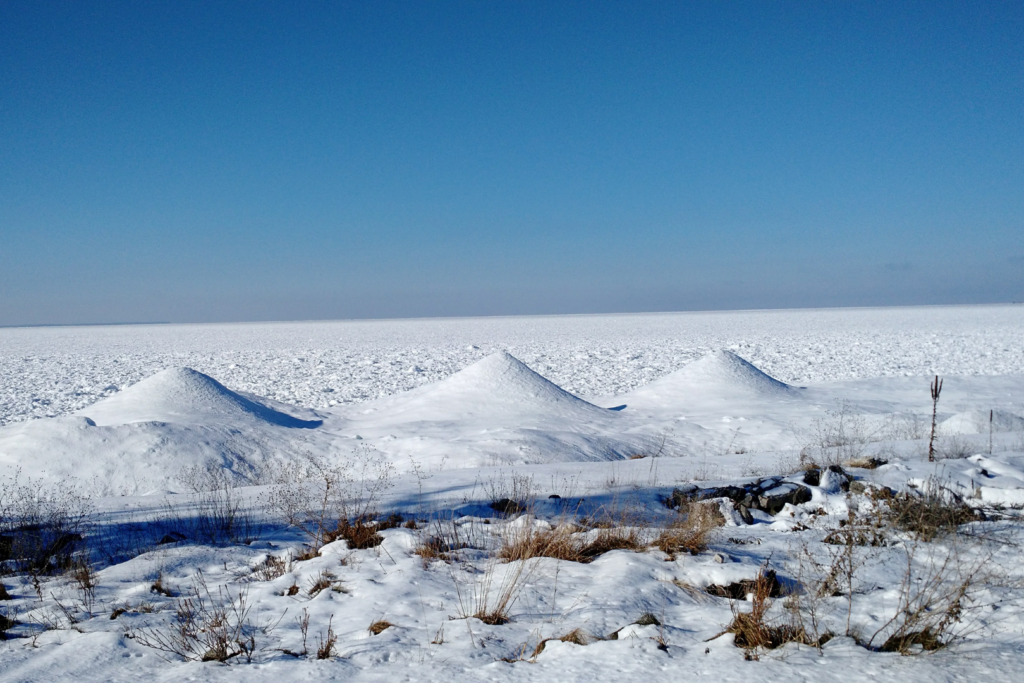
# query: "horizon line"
516 315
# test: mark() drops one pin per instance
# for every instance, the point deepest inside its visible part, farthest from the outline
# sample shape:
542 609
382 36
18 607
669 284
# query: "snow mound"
499 384
718 375
140 440
977 422
724 371
185 396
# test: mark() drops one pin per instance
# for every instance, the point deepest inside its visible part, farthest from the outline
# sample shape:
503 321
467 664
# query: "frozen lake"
56 370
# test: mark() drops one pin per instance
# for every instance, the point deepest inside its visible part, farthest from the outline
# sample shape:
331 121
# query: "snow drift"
977 422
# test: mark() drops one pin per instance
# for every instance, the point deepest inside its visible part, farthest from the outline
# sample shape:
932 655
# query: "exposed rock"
740 589
769 495
173 537
812 477
833 478
745 514
507 506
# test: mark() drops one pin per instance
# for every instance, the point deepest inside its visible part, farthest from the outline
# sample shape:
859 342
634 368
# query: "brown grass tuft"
648 619
378 627
269 569
325 644
359 535
865 463
320 581
905 642
159 587
692 529
933 512
577 636
566 542
752 630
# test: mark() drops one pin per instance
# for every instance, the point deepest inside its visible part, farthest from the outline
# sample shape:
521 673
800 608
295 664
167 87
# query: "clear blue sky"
194 161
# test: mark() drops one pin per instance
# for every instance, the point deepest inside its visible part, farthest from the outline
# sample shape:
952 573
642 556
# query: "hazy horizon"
507 315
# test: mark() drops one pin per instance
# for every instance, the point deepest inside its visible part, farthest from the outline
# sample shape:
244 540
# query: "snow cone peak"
724 371
187 396
497 384
720 375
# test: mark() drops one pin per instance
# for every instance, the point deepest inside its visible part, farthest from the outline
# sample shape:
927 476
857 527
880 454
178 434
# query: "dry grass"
446 539
159 587
326 643
7 621
932 512
865 463
434 548
363 533
318 498
615 538
648 619
359 535
577 636
566 542
379 626
938 599
752 630
488 598
696 593
208 626
319 582
271 568
766 582
510 495
691 531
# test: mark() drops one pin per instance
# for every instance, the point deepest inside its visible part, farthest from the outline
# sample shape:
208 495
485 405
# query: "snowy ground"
460 423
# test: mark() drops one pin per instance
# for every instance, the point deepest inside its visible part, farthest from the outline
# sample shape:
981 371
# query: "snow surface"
58 370
463 409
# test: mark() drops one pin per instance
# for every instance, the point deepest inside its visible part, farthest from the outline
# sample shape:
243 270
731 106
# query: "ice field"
55 371
480 433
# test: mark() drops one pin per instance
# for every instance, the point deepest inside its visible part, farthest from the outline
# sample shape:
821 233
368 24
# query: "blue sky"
270 161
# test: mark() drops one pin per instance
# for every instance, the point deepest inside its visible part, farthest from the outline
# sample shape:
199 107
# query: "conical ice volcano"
720 375
185 396
499 384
